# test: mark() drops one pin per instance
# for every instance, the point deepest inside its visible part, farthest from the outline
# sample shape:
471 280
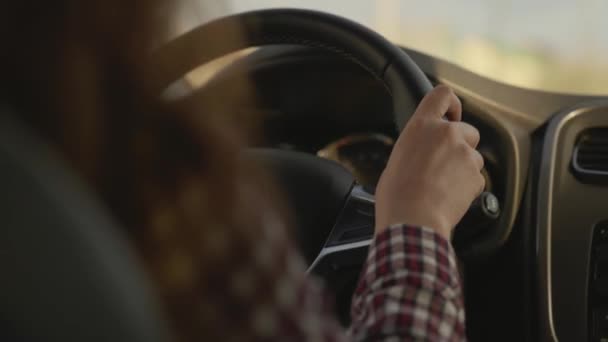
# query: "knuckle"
457 100
477 159
443 90
482 161
451 132
481 180
472 158
475 133
465 150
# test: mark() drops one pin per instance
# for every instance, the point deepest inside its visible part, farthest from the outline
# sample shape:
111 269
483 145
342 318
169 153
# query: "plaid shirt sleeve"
409 289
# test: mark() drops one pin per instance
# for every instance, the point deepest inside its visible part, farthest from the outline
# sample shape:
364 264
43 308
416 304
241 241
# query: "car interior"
334 95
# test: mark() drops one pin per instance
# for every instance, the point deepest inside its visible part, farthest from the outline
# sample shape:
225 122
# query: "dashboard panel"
569 211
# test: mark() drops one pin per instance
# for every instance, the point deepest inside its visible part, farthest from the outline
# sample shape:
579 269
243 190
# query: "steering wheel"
323 194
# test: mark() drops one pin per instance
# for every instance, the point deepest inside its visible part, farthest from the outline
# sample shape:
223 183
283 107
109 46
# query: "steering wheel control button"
490 204
481 215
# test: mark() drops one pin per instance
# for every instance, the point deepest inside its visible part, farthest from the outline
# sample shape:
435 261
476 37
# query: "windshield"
554 45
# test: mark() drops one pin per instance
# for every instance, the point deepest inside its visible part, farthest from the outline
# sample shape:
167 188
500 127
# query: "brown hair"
73 71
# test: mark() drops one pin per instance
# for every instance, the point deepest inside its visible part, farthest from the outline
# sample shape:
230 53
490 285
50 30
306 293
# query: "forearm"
409 289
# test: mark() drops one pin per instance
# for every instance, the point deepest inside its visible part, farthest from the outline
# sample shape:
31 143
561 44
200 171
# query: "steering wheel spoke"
351 235
356 221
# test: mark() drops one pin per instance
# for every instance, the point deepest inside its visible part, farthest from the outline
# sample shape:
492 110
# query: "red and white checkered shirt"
409 289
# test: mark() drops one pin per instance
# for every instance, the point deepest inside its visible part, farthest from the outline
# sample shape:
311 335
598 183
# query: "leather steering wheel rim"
389 64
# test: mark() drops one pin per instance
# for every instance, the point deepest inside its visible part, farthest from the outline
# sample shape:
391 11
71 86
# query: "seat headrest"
67 272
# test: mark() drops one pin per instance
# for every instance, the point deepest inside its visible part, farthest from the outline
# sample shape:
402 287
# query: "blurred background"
554 45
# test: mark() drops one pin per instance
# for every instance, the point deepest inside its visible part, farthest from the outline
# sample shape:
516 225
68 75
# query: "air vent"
590 159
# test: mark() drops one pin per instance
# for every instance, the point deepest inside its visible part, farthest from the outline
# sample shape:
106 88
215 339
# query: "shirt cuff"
416 253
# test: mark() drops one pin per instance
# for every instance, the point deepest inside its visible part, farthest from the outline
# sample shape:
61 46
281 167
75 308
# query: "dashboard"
548 281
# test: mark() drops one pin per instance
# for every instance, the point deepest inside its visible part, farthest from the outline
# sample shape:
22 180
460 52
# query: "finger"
481 185
478 159
441 102
469 132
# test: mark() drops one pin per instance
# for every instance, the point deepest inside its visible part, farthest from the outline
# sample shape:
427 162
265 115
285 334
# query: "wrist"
441 229
384 230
